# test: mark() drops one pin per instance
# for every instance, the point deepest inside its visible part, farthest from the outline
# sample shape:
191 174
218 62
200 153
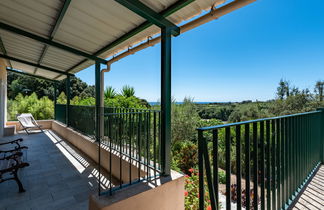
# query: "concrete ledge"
167 194
46 124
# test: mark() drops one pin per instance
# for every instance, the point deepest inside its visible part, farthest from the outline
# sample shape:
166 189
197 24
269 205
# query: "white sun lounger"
28 122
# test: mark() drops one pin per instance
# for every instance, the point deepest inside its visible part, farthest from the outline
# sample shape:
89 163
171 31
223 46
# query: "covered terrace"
56 39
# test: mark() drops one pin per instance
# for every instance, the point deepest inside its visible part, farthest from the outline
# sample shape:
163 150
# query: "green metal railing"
135 135
271 158
60 113
82 119
132 135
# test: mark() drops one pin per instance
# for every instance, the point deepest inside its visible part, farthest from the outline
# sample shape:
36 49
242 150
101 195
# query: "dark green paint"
150 15
68 97
287 151
166 101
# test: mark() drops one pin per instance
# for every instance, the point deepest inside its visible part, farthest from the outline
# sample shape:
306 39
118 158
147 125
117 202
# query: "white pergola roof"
86 25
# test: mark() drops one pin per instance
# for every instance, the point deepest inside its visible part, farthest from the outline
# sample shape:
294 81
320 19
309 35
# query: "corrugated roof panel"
35 16
60 59
23 67
103 20
46 74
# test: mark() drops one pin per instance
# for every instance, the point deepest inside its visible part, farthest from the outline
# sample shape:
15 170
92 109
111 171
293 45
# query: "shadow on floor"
59 176
313 196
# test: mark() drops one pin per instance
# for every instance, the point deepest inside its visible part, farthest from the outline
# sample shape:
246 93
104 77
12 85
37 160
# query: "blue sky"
241 56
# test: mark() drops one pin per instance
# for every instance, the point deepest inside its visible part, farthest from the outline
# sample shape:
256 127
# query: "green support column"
165 100
98 96
97 117
67 121
55 90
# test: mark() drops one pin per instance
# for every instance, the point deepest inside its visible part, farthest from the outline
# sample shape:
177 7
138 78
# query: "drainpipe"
102 98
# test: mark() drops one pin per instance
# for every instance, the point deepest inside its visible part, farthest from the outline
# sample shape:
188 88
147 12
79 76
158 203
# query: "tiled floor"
313 196
59 176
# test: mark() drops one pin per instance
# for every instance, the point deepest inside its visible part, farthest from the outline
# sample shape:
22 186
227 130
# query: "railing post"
165 100
201 170
97 120
54 96
322 135
67 120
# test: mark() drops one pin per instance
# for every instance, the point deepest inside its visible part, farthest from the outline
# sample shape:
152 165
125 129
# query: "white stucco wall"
3 96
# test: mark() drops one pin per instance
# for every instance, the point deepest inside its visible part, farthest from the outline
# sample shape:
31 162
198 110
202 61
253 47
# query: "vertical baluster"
130 147
278 163
228 166
215 164
238 167
268 171
148 143
120 128
262 158
139 145
286 145
110 153
247 165
201 170
282 161
154 142
273 175
255 165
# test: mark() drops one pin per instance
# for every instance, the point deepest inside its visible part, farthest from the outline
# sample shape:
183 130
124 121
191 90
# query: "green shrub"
184 156
40 108
222 176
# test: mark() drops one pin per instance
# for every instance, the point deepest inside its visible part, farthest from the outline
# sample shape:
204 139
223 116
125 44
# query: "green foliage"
110 92
185 156
125 102
184 121
61 99
218 112
42 108
127 91
221 176
319 89
192 192
26 85
249 111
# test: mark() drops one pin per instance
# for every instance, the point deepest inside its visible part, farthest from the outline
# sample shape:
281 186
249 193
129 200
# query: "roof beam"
165 13
54 29
30 75
149 14
49 42
34 64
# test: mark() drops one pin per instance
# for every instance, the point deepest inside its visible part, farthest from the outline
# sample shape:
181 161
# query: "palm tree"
110 92
128 91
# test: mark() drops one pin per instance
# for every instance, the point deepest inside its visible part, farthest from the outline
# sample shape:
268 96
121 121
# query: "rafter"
54 29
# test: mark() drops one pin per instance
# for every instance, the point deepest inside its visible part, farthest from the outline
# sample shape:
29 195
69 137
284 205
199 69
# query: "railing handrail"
125 113
254 121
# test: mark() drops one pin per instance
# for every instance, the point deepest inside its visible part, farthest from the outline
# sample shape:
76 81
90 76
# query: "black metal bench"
11 162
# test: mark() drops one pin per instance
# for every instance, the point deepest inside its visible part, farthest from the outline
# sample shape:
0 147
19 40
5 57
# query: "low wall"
46 124
168 194
90 148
